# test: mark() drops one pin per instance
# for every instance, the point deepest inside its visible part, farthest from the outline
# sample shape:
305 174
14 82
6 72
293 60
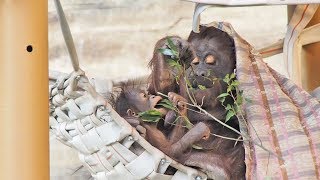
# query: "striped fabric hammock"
281 116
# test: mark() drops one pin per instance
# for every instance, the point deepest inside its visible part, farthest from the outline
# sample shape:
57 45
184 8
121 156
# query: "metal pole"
24 141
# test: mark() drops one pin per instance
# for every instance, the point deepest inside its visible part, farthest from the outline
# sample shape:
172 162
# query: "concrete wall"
115 39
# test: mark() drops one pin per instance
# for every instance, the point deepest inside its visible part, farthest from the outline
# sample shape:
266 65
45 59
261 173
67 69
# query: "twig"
193 100
246 138
208 114
242 117
220 136
195 111
229 138
202 100
238 139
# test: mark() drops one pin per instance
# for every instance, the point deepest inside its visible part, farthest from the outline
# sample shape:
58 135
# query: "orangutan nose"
201 73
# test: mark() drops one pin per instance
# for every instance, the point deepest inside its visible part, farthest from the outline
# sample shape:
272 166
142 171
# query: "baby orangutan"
175 142
133 100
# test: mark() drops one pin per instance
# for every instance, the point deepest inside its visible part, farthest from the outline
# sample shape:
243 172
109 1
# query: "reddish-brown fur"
223 153
220 158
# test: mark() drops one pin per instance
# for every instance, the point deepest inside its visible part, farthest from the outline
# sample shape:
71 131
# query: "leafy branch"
232 87
172 51
232 91
237 99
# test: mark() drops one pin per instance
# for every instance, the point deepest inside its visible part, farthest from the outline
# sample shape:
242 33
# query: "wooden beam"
24 136
273 49
310 62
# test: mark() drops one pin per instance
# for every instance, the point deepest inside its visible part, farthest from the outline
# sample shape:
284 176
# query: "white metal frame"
254 2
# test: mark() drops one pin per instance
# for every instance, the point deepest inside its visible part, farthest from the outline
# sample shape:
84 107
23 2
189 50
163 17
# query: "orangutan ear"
130 112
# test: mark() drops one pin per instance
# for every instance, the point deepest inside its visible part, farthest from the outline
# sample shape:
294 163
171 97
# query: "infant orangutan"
133 100
177 141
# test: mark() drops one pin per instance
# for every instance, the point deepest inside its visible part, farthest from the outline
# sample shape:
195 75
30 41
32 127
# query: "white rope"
67 36
83 120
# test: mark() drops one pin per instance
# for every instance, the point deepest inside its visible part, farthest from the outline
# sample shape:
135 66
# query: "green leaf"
177 79
209 72
222 100
150 116
230 88
172 62
167 104
196 147
175 121
233 75
215 79
150 119
154 112
166 101
167 52
188 83
235 83
226 78
236 109
229 115
173 47
202 87
223 95
189 125
239 100
228 107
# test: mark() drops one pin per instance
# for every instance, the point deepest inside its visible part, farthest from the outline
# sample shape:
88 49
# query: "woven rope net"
108 146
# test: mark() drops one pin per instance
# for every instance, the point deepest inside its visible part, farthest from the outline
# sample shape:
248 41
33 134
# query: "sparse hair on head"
120 95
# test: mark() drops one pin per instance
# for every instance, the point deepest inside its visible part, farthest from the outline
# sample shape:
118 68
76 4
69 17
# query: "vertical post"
311 59
24 141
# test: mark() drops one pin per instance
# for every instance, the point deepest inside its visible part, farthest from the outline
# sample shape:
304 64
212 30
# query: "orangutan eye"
195 61
144 95
210 59
131 112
